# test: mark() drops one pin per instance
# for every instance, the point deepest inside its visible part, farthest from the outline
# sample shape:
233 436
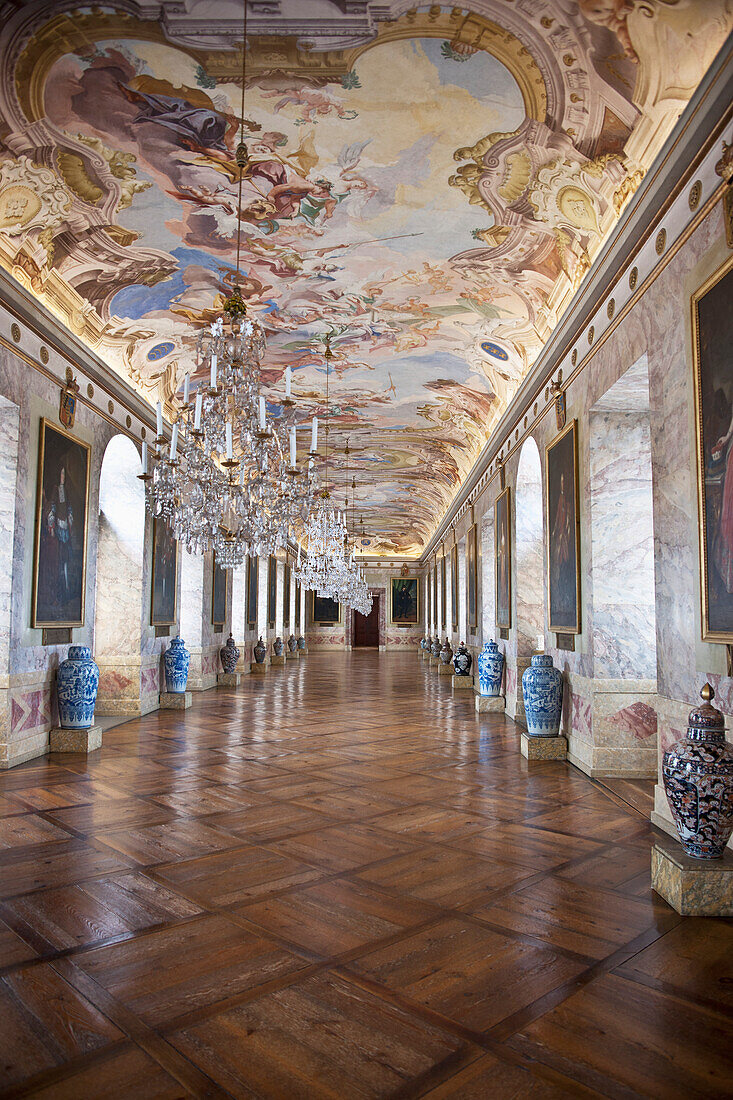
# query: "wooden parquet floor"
339 882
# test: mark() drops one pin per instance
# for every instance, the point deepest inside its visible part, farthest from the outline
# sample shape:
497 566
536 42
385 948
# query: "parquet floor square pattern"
340 882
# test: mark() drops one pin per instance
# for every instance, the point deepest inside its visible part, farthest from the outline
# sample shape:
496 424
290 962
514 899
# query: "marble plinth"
445 670
229 679
693 887
291 656
434 660
278 662
488 703
61 740
258 670
175 700
462 683
544 748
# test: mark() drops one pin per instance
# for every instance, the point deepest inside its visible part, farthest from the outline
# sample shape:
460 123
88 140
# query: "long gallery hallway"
337 881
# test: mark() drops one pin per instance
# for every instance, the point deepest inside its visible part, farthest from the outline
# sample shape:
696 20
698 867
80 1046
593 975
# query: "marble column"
196 577
12 746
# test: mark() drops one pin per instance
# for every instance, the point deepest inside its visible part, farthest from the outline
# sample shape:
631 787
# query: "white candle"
197 411
159 419
229 438
298 565
213 372
288 381
145 458
174 441
292 447
314 435
186 385
262 414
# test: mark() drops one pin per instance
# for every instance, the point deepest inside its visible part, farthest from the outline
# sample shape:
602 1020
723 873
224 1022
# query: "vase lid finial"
706 716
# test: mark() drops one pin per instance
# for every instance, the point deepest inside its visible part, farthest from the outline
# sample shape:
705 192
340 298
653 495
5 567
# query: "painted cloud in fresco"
421 205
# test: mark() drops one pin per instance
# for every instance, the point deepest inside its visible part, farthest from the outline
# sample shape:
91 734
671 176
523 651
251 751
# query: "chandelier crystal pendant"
229 480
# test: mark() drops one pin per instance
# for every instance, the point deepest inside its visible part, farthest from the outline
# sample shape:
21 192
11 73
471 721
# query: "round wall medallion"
110 407
574 356
694 197
661 241
591 334
128 421
90 390
15 333
547 393
526 420
611 308
633 277
143 432
534 410
44 354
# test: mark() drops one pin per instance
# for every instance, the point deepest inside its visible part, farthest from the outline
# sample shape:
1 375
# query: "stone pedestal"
489 704
424 654
445 670
175 700
434 660
258 670
544 748
462 683
291 656
693 887
61 740
229 679
278 662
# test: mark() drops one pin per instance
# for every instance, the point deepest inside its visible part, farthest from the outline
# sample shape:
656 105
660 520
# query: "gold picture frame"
413 582
711 360
443 593
42 485
503 522
454 585
322 621
252 591
216 580
563 531
159 620
472 613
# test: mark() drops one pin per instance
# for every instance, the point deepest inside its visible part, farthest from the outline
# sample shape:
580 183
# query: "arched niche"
529 552
118 614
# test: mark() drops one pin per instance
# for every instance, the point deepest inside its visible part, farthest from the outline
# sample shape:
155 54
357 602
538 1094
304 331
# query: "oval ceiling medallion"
611 308
695 193
160 351
633 277
661 241
494 350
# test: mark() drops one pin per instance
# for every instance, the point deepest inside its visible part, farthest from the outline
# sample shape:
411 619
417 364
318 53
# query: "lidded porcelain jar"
698 779
278 647
176 660
301 642
446 653
77 682
292 643
229 655
260 651
542 690
435 647
490 663
462 661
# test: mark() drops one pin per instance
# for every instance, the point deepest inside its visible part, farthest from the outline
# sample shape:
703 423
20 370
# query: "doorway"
366 627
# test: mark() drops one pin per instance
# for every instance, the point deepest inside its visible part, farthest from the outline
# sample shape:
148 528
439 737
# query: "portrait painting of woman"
561 462
61 527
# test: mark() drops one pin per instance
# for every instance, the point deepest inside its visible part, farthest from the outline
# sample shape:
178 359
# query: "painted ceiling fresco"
431 192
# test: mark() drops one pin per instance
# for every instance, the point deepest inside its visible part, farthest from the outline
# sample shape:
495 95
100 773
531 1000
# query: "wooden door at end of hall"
366 627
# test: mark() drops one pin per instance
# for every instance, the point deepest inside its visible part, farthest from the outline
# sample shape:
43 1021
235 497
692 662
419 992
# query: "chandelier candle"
186 387
197 411
174 443
288 383
314 436
228 432
159 419
292 448
213 371
145 459
262 414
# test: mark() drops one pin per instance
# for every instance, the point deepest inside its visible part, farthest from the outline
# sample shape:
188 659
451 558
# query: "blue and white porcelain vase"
542 690
260 651
446 653
435 647
698 779
423 643
176 660
301 642
77 681
229 655
462 661
278 647
490 663
292 643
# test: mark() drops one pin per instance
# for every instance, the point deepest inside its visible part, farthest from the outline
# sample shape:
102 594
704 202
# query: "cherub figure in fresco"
312 102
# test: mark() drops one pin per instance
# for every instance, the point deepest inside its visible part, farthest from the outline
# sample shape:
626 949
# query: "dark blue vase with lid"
77 682
462 661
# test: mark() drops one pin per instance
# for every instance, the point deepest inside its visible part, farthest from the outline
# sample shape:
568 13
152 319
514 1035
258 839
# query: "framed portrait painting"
62 505
563 542
471 578
712 328
435 594
503 560
405 608
271 589
219 588
164 576
454 586
326 611
286 597
443 593
297 605
252 571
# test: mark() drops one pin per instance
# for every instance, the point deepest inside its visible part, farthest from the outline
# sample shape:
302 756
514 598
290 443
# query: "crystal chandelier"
230 480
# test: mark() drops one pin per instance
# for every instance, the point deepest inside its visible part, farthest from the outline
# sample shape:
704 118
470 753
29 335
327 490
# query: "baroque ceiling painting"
429 184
